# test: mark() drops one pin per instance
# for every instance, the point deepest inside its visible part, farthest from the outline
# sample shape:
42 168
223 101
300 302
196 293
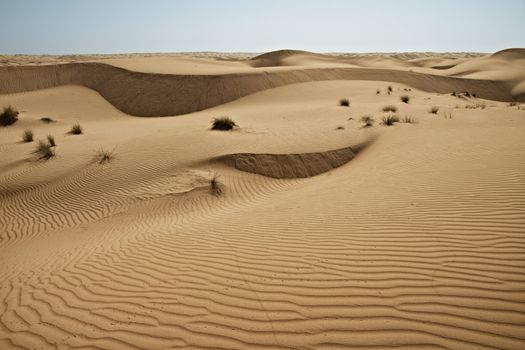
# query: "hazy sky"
114 26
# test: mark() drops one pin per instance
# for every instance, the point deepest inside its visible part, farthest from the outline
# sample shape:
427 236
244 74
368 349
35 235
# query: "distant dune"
184 91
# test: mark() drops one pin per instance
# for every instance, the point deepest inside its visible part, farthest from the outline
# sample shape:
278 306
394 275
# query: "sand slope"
416 243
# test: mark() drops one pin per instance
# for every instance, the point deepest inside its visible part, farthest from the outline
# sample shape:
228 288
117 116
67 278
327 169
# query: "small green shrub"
223 124
390 119
27 136
8 116
409 120
76 129
43 151
215 186
367 121
51 140
390 108
344 102
405 98
104 156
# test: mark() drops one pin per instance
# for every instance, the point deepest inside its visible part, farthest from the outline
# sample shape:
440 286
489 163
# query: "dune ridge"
148 94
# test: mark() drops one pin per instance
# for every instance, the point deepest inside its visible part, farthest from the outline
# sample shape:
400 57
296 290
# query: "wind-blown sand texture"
327 234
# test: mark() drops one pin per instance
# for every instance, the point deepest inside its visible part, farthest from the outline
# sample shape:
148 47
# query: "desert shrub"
44 151
389 89
8 116
27 136
76 129
51 140
405 98
466 93
340 128
389 119
104 156
367 121
215 186
378 92
390 108
46 120
434 110
223 124
344 102
453 93
408 119
477 105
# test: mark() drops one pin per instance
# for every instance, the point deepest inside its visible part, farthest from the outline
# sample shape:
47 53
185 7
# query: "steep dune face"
143 94
289 166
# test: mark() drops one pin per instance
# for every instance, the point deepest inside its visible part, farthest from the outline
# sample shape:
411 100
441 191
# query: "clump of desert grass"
434 109
44 151
104 156
223 124
447 115
405 98
76 129
27 136
344 102
47 120
215 185
51 140
390 119
9 116
390 108
409 120
367 121
477 105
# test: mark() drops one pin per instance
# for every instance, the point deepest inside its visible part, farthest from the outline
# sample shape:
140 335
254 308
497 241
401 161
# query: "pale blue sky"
115 26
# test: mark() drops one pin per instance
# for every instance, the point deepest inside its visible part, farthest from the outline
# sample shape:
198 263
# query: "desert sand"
326 234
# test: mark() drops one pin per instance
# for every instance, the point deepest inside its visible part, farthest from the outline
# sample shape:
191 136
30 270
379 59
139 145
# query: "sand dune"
144 94
415 243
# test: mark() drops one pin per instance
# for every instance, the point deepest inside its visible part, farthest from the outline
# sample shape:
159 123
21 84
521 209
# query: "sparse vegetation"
223 124
51 140
378 92
215 186
104 156
447 115
408 119
344 102
340 128
389 89
27 136
476 105
466 93
8 116
434 110
44 151
405 98
367 121
389 119
46 120
453 93
390 108
76 129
